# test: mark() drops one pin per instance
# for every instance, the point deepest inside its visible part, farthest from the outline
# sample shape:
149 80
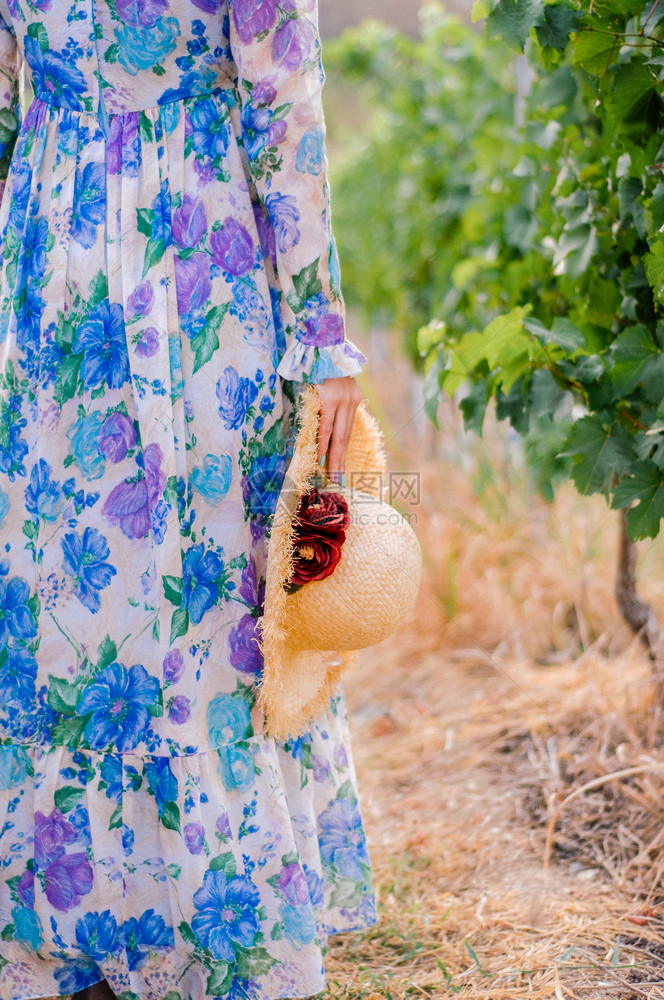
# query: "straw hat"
309 637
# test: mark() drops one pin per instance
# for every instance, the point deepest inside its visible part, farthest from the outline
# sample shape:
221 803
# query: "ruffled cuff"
309 363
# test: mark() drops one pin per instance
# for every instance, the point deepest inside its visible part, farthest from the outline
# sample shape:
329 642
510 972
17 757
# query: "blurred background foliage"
504 210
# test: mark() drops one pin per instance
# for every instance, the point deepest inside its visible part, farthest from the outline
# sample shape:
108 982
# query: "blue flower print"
237 767
128 837
27 927
98 935
16 619
43 497
118 704
210 131
213 481
102 341
17 678
341 838
13 448
4 506
299 923
261 488
85 560
32 283
311 151
84 436
146 934
226 914
200 573
235 394
14 766
111 775
284 216
228 719
255 129
54 75
161 216
77 975
89 204
21 182
162 782
142 48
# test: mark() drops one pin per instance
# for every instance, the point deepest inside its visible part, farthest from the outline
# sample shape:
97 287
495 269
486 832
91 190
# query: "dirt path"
466 907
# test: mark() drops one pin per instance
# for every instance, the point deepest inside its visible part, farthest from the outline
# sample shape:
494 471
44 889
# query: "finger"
325 427
341 431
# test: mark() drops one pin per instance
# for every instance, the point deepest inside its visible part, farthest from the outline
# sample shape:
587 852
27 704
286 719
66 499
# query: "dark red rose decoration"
321 523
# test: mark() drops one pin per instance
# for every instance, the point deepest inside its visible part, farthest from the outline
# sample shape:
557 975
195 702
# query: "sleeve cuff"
308 363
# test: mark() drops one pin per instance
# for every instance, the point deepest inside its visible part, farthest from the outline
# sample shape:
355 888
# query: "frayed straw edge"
365 454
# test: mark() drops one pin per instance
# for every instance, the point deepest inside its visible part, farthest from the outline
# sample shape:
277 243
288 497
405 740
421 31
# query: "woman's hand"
339 398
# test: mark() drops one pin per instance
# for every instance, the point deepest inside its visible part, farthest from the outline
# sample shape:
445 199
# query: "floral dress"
167 278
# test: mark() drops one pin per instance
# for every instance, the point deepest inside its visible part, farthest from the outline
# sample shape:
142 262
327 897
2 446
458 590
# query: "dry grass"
513 685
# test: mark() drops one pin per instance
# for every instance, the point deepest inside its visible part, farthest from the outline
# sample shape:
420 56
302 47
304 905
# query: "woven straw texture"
298 677
371 590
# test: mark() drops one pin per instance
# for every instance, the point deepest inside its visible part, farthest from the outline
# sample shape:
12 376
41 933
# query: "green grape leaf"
594 50
654 265
513 20
638 359
645 488
600 454
634 84
559 23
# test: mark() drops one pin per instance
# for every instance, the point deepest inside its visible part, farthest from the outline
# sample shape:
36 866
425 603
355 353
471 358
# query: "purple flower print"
130 504
127 507
148 344
245 652
233 248
141 13
68 880
194 837
264 92
155 477
322 330
25 890
52 834
173 666
276 132
321 768
117 436
223 826
180 710
67 877
266 235
293 884
189 222
140 301
284 216
209 6
192 282
292 43
251 17
123 146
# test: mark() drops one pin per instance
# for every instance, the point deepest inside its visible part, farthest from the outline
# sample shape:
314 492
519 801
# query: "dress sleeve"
277 51
9 68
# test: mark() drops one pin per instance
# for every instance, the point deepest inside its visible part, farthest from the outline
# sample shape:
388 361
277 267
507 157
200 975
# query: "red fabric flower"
322 520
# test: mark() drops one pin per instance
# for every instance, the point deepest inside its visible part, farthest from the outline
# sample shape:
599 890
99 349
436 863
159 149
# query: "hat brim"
297 684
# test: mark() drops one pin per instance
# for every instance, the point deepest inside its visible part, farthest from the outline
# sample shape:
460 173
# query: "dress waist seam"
227 93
